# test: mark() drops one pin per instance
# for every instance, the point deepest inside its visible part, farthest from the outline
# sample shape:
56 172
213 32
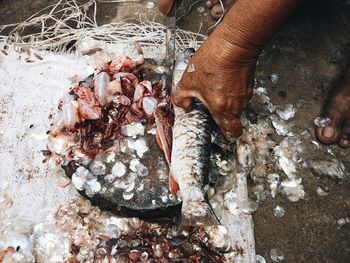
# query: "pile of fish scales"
79 232
276 162
105 117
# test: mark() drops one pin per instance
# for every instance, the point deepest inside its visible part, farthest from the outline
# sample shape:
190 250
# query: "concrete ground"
309 54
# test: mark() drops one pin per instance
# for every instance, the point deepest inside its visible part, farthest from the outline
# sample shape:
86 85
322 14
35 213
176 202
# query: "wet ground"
309 54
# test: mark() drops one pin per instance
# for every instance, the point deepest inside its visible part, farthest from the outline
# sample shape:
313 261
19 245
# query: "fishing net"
63 26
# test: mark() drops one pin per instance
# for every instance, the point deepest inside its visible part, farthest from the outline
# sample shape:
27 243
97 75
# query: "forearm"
250 24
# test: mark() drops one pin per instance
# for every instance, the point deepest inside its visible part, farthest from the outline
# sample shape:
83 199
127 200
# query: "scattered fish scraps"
81 232
103 137
260 259
343 221
274 78
332 168
287 112
277 171
322 122
322 191
277 255
278 211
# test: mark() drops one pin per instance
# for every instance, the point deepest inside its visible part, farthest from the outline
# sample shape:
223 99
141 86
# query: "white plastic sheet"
29 93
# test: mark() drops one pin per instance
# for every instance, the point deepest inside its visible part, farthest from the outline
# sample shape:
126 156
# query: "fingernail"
208 3
229 136
328 132
225 121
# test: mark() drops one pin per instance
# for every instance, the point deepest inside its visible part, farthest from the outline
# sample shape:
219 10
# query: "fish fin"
196 221
159 142
211 211
208 219
173 185
162 141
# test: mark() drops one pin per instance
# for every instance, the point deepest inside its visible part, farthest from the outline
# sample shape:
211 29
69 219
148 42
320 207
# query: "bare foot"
167 7
338 110
216 8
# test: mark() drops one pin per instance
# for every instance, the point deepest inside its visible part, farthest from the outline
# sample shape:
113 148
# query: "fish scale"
191 143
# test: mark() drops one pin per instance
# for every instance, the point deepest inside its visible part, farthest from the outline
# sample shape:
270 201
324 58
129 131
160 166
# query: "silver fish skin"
190 157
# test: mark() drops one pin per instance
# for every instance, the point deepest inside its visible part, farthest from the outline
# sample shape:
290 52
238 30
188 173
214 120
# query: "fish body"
190 157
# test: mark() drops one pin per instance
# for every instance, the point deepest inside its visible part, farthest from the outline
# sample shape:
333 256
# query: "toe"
344 143
338 110
332 132
216 7
216 11
345 135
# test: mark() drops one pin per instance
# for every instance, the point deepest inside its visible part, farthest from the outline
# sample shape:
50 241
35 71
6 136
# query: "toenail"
345 143
328 132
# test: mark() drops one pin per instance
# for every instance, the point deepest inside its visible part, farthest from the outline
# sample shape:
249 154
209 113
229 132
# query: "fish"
190 155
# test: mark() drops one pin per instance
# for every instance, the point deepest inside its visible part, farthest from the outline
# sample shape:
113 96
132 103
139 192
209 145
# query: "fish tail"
159 141
162 141
163 144
173 185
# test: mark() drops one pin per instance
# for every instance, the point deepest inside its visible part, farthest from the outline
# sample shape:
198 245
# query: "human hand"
224 65
222 79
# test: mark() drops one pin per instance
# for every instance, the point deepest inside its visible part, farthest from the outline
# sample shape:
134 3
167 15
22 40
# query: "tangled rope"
61 26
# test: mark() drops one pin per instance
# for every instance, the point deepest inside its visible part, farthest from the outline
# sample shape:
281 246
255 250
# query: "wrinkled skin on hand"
223 81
